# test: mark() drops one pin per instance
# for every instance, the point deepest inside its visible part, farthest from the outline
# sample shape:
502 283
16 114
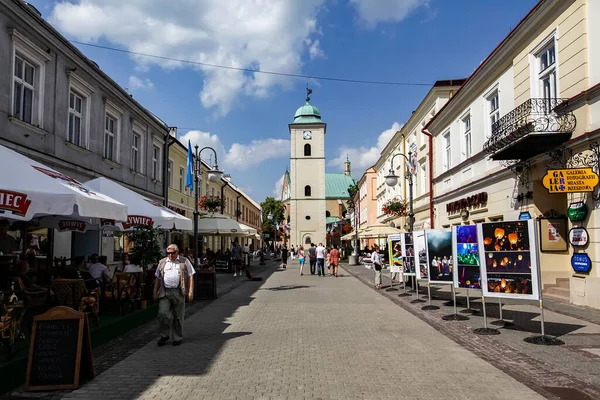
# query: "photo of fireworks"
396 257
466 250
439 251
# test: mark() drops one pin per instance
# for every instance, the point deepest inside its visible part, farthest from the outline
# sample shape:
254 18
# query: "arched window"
327 214
307 150
307 191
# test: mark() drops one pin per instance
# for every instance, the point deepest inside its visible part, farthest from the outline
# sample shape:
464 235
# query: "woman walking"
328 260
301 259
376 260
334 257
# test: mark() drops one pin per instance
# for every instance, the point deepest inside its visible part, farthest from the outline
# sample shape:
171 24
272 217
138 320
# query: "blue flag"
190 168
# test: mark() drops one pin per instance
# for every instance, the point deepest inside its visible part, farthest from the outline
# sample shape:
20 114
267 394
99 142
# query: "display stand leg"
429 307
501 321
470 310
417 299
404 294
543 339
485 330
392 288
455 316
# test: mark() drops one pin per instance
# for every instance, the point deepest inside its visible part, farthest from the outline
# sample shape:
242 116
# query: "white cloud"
136 83
239 156
373 12
278 188
364 157
314 51
269 34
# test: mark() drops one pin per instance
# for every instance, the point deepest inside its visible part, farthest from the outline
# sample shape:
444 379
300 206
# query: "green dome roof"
307 114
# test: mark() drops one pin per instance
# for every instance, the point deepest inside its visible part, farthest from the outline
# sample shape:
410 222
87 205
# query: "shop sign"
71 225
577 211
570 180
476 200
107 222
15 202
137 220
525 215
578 237
581 262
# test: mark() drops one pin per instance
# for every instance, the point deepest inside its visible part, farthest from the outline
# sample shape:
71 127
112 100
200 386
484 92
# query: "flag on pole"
190 168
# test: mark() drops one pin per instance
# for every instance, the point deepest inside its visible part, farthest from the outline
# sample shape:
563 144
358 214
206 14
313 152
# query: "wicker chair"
122 291
10 324
73 293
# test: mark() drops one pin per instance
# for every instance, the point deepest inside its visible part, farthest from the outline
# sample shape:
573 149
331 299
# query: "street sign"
581 262
570 180
578 237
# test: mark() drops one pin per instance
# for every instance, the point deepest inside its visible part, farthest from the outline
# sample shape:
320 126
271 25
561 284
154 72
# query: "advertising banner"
508 253
467 271
420 250
408 250
396 254
439 255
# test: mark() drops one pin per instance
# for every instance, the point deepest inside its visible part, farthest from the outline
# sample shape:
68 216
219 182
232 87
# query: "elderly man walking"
174 282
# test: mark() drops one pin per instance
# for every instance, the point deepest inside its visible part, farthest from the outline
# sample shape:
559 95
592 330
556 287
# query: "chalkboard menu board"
223 264
60 350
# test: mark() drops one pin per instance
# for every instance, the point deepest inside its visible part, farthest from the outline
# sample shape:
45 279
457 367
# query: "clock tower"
307 176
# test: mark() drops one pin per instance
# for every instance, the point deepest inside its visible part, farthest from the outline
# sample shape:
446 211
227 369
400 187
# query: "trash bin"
205 284
353 260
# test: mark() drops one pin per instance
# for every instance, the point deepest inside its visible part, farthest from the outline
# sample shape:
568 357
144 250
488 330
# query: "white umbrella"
142 210
378 231
29 189
248 230
218 224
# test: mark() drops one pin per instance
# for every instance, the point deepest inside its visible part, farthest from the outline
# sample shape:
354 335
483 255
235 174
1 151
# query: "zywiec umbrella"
29 189
248 231
219 224
378 231
142 210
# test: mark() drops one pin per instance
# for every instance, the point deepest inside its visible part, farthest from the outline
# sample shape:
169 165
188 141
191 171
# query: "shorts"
237 263
301 259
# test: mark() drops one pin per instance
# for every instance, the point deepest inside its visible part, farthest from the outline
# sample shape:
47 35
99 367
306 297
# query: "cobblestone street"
305 337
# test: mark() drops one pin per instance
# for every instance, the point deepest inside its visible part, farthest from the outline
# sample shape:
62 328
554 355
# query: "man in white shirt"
174 282
98 271
320 260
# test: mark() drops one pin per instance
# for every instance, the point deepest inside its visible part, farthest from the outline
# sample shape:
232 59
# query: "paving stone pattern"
543 368
293 337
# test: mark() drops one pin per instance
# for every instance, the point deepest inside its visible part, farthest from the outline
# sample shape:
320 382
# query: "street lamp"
392 180
214 175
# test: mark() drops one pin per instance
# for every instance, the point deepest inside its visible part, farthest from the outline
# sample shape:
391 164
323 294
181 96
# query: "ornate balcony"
534 127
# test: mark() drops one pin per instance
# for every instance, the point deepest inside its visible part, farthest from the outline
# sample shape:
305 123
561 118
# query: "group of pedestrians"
319 257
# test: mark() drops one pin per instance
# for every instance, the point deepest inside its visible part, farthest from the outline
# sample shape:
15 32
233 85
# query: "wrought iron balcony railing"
535 116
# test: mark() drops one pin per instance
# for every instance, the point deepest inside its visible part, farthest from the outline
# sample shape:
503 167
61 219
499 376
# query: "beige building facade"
530 107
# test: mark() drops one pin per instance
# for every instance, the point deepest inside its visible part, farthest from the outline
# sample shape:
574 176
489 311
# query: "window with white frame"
181 179
546 60
493 110
28 61
170 173
110 137
447 160
156 162
423 177
466 122
136 147
79 111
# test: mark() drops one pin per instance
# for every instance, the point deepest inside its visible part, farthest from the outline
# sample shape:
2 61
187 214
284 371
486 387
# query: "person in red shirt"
334 258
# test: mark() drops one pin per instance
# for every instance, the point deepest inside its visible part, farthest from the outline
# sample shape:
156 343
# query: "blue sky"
245 116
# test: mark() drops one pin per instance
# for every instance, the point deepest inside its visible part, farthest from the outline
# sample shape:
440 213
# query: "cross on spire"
308 92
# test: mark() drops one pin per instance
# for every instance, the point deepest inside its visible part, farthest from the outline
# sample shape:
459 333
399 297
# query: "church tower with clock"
307 199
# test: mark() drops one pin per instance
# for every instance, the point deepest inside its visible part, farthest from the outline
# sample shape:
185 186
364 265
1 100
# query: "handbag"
377 266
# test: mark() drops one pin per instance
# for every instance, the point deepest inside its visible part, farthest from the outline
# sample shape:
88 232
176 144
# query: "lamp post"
392 180
214 175
262 251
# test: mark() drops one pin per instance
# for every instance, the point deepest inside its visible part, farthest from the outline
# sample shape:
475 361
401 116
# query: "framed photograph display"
408 250
553 234
440 262
396 255
467 270
420 250
509 258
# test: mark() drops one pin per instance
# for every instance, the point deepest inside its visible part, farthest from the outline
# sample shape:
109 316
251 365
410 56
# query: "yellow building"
531 106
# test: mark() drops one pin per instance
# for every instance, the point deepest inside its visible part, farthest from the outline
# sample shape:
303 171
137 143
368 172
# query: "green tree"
352 190
146 246
277 209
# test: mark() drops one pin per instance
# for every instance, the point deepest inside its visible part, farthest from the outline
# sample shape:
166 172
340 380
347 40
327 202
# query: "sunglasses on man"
171 252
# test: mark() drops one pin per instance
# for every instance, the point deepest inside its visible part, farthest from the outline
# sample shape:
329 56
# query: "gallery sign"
570 180
578 237
581 262
476 200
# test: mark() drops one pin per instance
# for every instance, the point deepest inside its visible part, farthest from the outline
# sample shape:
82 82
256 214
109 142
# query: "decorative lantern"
513 238
487 241
499 233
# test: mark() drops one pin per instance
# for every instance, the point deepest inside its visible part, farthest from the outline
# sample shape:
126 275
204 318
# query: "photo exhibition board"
420 250
408 249
509 258
467 271
396 254
439 259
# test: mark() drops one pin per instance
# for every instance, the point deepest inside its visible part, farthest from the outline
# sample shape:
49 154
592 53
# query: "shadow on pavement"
287 287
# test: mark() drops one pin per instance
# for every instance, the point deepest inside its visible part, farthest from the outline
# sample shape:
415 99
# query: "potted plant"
147 249
210 203
395 207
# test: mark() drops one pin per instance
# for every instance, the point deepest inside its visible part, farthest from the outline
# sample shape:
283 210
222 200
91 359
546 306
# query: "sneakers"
176 342
163 340
234 274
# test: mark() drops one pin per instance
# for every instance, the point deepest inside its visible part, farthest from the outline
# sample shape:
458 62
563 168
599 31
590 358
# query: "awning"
378 231
141 210
219 224
29 189
248 230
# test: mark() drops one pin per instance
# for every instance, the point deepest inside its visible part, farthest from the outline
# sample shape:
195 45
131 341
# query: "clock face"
307 135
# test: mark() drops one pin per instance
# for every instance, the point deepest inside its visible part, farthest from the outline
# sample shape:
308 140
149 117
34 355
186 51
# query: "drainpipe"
430 156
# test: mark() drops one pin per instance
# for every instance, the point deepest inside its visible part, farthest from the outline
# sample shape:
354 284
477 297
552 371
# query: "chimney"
347 166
